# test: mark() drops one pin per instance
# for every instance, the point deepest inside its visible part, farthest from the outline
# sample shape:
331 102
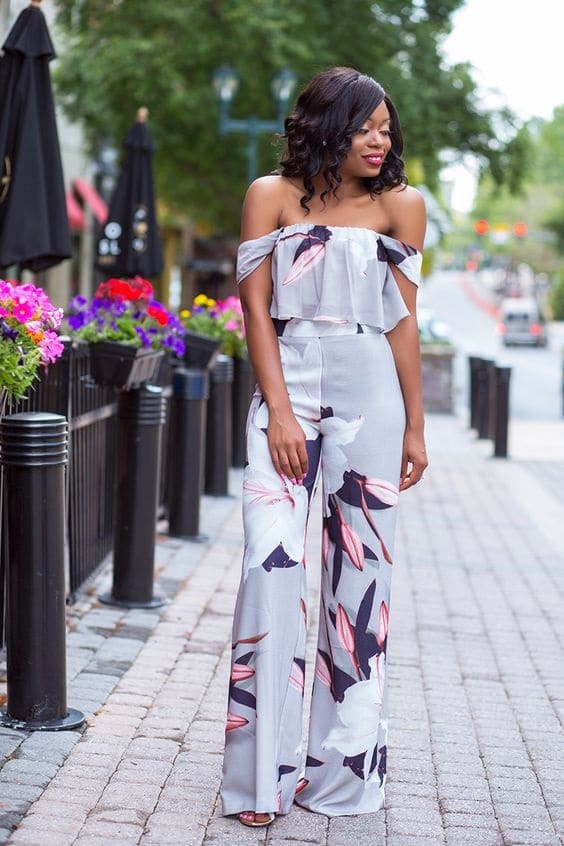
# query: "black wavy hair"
329 111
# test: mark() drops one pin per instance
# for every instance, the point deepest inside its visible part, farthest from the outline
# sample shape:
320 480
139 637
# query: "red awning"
74 212
92 199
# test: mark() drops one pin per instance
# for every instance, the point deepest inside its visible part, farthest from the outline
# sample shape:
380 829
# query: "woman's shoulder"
403 197
265 201
406 212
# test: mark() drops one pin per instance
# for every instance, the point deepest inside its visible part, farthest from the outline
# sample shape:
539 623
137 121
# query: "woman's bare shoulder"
264 205
406 208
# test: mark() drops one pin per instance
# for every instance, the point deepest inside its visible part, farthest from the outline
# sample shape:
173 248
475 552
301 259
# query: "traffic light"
520 229
481 227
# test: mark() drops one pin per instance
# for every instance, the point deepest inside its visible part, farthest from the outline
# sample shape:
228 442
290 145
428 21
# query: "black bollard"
219 440
141 414
243 389
34 454
502 378
483 393
474 366
188 407
492 400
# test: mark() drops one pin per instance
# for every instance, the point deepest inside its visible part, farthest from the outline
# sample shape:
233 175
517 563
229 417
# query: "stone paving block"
467 805
87 797
468 837
8 745
35 837
531 838
23 792
118 794
405 788
18 771
407 840
301 825
64 825
158 836
471 820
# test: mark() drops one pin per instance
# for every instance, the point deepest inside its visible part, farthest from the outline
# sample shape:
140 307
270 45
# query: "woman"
328 269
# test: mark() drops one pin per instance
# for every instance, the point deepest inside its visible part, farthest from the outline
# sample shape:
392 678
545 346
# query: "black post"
474 366
34 449
502 377
219 438
483 392
190 392
492 400
141 414
243 389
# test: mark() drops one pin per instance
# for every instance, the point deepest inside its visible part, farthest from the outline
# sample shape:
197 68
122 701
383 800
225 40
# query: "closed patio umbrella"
34 227
130 244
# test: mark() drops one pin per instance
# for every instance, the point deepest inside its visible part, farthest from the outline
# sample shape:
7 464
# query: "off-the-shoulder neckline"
327 226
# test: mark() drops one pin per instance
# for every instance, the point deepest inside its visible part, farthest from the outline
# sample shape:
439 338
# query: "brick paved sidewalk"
476 746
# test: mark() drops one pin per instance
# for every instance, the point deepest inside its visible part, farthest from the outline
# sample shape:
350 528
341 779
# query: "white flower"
359 714
337 432
273 505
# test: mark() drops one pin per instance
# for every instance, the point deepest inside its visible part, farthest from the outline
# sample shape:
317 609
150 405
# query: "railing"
66 388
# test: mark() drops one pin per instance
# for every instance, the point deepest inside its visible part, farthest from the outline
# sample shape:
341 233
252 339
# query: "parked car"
521 322
432 330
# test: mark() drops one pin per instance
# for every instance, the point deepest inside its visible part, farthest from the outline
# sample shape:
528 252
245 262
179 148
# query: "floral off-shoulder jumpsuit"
334 298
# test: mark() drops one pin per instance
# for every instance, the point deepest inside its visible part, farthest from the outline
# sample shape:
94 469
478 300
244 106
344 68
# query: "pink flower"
50 347
232 325
382 490
345 630
297 678
240 672
352 545
234 721
322 671
383 618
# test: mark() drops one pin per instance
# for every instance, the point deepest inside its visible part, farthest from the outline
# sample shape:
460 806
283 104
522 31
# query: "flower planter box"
201 350
436 366
123 366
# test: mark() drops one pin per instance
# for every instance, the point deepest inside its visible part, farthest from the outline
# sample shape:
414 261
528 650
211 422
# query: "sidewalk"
476 746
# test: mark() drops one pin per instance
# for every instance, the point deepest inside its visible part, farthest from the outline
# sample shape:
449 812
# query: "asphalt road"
536 375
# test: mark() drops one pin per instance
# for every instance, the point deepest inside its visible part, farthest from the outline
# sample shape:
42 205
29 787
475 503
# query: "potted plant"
28 338
128 330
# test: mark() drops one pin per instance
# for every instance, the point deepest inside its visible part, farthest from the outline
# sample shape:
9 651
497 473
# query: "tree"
160 53
539 200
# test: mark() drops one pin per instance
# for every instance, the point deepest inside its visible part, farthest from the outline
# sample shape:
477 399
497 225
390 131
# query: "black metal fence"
66 388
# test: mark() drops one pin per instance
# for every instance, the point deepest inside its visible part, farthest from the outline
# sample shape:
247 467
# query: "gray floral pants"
345 393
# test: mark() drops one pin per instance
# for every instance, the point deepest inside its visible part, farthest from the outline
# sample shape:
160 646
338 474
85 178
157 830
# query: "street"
536 376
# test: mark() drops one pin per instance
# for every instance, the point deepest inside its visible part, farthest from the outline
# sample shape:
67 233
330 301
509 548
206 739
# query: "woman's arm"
409 212
286 438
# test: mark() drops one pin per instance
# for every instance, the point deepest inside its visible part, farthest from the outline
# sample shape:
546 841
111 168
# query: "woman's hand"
414 458
287 444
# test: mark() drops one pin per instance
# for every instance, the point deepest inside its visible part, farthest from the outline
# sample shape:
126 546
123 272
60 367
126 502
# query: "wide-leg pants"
344 389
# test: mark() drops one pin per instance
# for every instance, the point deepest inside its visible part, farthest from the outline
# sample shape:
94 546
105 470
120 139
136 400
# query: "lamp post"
226 83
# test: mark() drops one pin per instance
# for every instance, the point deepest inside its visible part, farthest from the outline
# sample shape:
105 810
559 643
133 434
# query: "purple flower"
145 339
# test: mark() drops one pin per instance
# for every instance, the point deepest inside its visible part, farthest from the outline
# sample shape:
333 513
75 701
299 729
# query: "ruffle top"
335 273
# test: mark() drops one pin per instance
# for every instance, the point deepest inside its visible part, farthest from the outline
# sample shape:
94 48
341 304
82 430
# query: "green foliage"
159 53
538 202
221 320
556 298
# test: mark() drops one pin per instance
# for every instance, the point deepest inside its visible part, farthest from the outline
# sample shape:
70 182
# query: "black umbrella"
34 227
130 242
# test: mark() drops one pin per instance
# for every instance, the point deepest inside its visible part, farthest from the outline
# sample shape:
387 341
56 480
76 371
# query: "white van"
521 322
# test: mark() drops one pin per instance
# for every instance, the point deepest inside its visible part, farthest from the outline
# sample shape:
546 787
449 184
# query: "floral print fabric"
353 419
333 273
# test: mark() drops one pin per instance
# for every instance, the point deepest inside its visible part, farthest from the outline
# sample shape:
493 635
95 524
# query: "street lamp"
226 84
